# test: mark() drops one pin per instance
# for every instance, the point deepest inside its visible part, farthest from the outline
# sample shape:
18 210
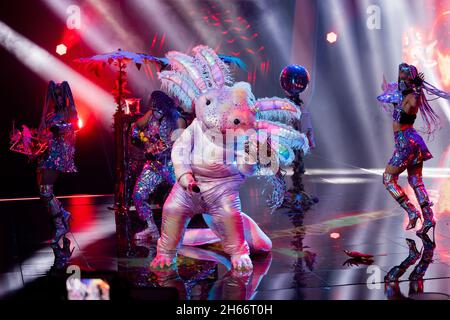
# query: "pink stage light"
61 49
331 37
335 235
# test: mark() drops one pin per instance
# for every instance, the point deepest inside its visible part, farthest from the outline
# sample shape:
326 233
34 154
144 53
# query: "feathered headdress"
192 76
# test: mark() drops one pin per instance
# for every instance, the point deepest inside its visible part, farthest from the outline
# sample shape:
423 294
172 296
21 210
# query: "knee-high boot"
391 183
416 182
61 217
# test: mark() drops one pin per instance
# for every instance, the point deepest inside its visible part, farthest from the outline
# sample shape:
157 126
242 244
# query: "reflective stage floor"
355 213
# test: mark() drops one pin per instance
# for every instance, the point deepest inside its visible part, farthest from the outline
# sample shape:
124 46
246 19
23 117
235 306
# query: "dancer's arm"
142 121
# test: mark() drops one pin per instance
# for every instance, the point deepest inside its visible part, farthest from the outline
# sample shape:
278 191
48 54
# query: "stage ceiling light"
331 37
61 49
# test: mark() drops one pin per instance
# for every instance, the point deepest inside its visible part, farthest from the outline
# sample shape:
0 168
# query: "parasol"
119 59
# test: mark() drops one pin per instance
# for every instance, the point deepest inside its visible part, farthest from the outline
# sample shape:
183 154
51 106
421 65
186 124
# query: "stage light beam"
49 67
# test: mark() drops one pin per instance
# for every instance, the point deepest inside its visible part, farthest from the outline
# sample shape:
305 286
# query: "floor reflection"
308 260
416 277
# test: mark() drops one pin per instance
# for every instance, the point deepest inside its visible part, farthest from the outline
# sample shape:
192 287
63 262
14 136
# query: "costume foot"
241 262
163 261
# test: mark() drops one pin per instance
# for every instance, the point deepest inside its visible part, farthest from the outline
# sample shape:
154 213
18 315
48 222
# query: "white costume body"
202 83
219 183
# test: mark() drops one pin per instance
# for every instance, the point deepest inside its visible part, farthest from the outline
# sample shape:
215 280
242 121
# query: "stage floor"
355 213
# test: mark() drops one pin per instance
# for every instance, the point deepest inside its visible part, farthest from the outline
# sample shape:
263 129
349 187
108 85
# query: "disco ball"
294 79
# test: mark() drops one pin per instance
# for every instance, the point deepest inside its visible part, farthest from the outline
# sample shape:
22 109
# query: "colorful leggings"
152 175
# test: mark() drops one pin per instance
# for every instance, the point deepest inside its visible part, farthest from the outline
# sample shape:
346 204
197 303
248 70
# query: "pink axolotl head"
227 108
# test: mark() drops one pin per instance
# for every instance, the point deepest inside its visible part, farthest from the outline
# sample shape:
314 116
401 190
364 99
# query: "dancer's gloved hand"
188 182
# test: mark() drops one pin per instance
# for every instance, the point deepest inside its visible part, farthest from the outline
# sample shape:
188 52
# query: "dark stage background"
351 130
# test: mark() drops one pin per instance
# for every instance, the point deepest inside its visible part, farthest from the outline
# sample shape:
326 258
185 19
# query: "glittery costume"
58 126
61 145
134 157
416 276
199 154
396 272
157 169
410 149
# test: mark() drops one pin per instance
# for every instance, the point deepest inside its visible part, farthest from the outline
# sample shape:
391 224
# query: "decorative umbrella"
119 59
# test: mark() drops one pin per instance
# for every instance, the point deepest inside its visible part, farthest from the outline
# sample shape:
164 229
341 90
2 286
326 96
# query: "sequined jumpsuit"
61 149
58 158
157 169
135 159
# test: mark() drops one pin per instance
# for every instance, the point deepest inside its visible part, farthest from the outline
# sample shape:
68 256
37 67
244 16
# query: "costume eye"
208 102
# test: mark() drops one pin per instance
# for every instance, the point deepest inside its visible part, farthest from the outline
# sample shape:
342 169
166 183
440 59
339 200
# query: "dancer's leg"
390 180
45 179
416 182
146 184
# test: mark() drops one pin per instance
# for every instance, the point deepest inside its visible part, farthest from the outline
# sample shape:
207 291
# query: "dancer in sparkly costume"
154 130
407 98
134 155
58 125
205 182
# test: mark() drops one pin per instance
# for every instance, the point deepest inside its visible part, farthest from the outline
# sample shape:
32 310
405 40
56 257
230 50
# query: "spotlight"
331 37
80 123
335 235
61 49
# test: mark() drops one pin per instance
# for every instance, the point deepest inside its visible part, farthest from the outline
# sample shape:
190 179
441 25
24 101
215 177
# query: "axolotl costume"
200 154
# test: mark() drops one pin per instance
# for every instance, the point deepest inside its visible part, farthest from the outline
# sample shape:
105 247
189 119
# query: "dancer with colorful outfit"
154 131
205 182
58 125
407 98
134 155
